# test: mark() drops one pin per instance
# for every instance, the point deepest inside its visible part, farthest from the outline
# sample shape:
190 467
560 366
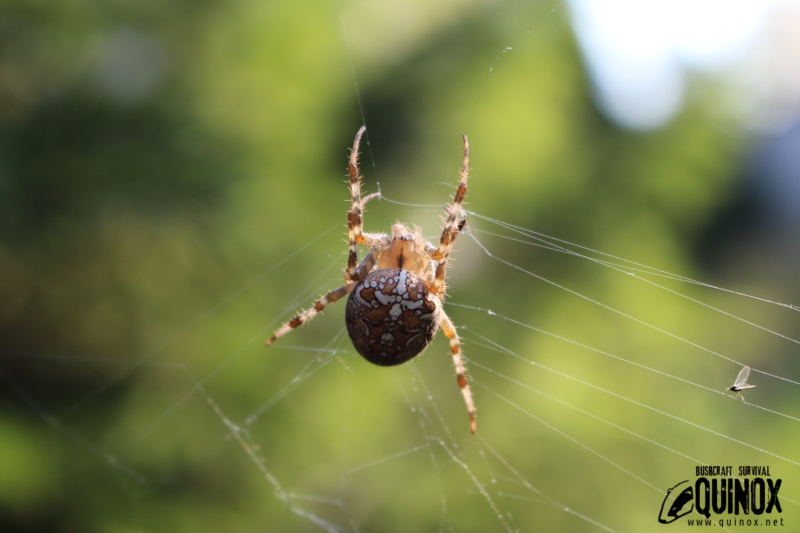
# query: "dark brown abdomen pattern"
391 316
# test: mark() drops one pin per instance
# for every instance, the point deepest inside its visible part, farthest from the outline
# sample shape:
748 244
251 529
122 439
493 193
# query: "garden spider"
395 303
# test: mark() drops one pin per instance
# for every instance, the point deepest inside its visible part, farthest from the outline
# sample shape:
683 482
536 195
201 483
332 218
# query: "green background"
172 190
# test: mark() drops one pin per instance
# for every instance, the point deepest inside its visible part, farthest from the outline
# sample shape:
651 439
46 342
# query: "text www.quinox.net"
726 522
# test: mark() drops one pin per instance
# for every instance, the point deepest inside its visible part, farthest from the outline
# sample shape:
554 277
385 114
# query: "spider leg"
452 225
355 217
308 314
366 265
458 361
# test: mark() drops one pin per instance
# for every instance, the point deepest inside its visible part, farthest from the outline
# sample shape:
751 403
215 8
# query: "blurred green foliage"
172 187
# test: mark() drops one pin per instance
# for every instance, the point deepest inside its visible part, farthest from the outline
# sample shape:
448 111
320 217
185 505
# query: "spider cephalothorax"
395 303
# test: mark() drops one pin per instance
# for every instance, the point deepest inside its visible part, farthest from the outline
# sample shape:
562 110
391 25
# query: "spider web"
564 422
599 380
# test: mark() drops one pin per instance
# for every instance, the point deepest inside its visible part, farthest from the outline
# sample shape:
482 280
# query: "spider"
395 303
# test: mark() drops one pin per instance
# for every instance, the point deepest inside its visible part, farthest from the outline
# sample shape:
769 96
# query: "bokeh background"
172 190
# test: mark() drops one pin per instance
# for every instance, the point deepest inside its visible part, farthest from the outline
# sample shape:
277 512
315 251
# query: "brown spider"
395 303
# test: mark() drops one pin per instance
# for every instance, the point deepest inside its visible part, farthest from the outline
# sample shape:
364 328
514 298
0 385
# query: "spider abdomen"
391 316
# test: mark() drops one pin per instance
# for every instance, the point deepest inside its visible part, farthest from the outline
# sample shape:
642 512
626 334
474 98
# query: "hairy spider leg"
331 297
355 217
458 361
452 226
308 314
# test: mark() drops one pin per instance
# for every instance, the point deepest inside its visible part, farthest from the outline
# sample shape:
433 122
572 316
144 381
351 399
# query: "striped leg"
461 371
307 315
452 225
355 217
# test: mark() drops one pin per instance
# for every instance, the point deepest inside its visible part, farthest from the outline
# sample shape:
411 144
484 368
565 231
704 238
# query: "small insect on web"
396 292
741 383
